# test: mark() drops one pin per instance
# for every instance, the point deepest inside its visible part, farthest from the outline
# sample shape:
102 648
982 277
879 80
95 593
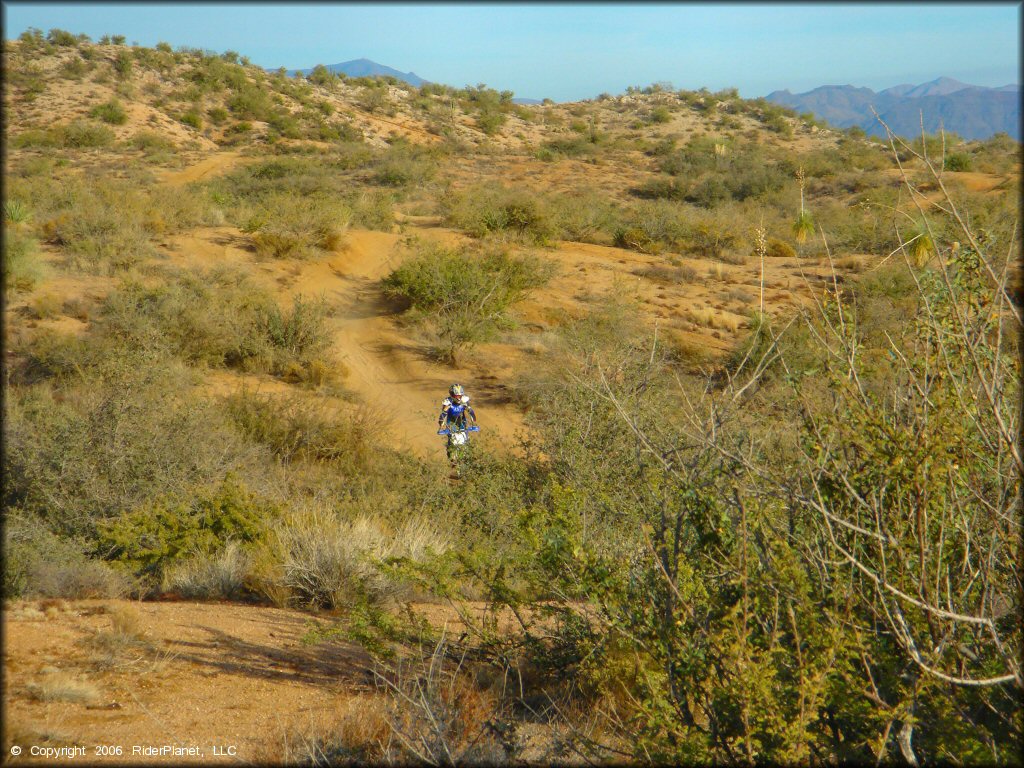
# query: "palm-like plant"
803 227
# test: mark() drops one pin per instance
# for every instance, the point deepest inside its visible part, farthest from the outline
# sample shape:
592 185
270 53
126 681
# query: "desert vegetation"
765 502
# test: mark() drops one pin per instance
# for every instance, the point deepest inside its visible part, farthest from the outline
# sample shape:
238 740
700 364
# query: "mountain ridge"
972 111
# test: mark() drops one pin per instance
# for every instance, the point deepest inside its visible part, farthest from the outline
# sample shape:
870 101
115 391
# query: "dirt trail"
216 163
392 375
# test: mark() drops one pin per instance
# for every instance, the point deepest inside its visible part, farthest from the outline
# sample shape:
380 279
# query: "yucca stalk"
803 227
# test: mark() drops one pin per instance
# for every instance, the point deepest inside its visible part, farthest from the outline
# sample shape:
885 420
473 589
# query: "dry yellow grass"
57 685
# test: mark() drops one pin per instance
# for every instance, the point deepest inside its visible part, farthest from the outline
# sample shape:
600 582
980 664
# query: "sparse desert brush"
404 165
124 429
38 563
360 735
217 317
303 428
221 575
586 217
650 227
485 210
373 209
465 292
666 275
23 268
286 226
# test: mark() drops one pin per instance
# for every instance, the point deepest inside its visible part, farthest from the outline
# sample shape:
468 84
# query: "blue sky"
576 51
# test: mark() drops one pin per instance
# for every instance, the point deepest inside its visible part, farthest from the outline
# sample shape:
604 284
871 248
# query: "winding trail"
392 374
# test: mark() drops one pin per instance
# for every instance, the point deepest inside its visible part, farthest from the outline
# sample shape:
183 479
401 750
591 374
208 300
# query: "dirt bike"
457 442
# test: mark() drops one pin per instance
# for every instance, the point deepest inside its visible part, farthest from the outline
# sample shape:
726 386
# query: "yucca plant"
803 227
16 212
920 246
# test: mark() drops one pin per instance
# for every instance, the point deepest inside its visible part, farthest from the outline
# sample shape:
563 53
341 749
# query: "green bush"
124 428
78 134
217 115
303 429
464 293
286 226
218 318
156 534
485 210
192 119
110 112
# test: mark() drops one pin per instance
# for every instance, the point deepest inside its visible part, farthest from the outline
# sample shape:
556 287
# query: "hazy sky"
576 51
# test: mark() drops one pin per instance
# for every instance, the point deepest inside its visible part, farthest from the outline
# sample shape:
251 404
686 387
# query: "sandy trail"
394 376
217 163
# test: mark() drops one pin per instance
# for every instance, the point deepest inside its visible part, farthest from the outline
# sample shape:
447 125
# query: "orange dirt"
205 675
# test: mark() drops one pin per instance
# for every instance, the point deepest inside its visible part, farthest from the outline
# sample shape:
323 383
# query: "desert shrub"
124 65
80 134
402 165
957 161
38 563
650 227
304 429
586 216
152 536
660 114
108 224
490 121
249 102
217 115
285 226
74 69
151 142
220 575
122 430
373 209
110 112
217 318
778 249
481 211
192 119
62 37
464 292
575 146
23 268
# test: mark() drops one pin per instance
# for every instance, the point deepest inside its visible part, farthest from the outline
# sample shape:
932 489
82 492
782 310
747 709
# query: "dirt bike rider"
454 410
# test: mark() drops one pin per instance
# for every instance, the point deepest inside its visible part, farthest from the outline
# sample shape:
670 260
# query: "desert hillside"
746 387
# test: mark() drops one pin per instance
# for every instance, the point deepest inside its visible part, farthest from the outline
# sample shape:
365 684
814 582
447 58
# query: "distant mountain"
972 111
367 68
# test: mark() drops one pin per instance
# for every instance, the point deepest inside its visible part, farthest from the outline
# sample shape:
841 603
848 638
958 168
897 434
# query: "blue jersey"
454 413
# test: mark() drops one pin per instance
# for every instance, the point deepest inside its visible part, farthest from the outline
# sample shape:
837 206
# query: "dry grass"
321 559
124 644
712 318
63 686
206 576
360 734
